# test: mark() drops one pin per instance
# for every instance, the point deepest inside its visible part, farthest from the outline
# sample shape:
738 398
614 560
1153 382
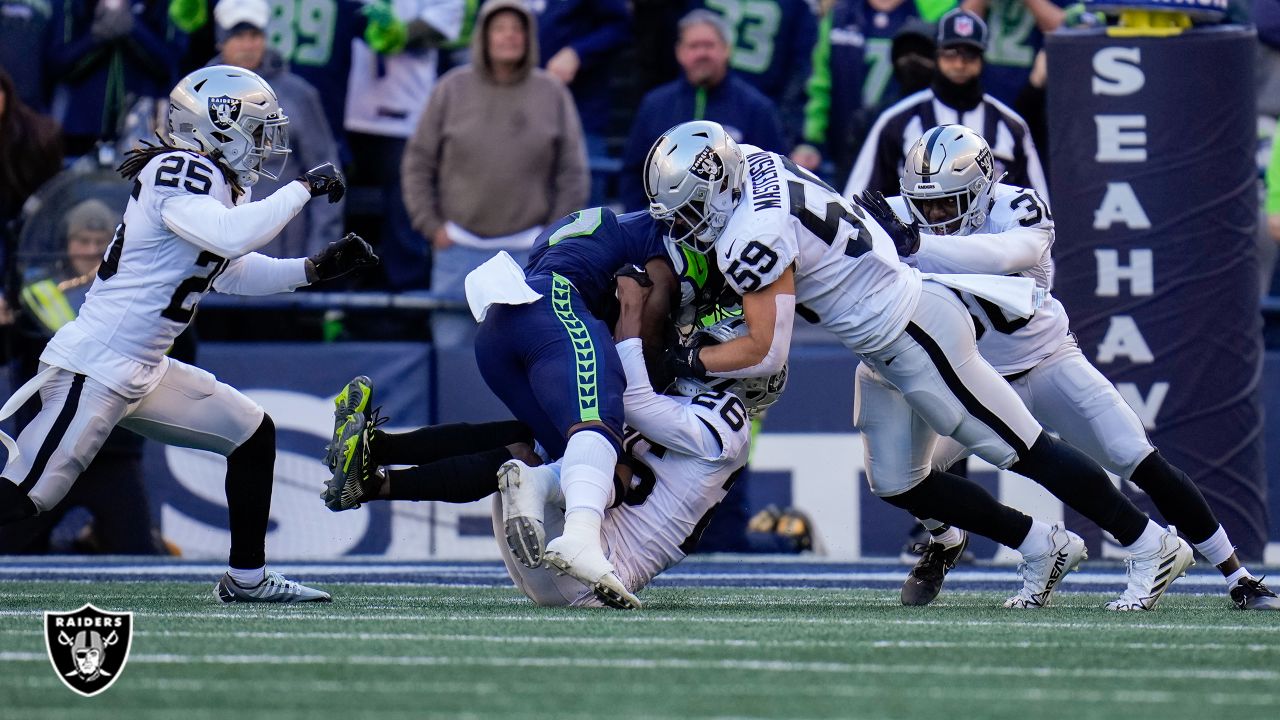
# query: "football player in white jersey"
189 227
790 244
683 453
1011 231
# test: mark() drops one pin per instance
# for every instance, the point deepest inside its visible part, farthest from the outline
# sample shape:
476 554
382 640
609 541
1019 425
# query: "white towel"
17 400
1018 295
498 281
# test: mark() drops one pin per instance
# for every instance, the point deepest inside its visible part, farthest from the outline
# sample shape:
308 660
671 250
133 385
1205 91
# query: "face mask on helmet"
948 179
691 177
757 393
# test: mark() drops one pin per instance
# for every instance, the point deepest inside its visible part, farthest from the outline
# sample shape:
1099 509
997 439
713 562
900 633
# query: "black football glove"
325 180
906 238
635 272
347 255
682 361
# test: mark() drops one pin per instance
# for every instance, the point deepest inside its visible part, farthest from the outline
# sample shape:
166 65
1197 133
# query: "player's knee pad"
15 505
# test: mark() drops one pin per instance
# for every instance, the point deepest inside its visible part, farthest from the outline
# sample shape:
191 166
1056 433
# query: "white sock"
1237 576
950 538
1037 540
248 578
582 523
1149 541
586 474
1217 548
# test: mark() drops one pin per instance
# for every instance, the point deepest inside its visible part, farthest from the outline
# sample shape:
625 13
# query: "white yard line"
577 640
905 669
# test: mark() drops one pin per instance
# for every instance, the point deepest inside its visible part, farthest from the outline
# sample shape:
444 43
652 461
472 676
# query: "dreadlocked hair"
137 158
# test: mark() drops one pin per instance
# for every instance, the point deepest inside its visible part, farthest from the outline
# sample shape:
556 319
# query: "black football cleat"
925 581
1251 594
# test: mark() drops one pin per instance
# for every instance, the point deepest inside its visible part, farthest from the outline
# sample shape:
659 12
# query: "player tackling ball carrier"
972 223
189 227
789 244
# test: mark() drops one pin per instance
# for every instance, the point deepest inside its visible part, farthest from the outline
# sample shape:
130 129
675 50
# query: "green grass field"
413 651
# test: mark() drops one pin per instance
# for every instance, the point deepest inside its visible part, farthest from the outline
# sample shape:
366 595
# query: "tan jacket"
495 158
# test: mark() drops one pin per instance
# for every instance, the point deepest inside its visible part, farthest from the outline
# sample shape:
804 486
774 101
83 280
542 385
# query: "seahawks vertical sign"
1154 196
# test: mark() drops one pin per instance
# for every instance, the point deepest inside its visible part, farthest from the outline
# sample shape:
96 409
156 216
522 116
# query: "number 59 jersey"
151 277
848 276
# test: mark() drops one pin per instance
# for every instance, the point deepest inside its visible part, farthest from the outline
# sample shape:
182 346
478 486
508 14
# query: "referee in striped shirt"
955 97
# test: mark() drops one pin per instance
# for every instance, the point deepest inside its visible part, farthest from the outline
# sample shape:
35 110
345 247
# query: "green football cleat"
357 396
356 478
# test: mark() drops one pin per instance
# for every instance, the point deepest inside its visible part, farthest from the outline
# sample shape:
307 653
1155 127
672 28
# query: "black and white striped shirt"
879 164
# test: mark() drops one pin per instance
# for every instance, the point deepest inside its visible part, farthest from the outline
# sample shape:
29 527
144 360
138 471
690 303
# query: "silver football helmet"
234 117
949 164
693 177
757 393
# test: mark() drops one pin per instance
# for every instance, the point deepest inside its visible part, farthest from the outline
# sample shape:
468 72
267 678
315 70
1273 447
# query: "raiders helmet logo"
985 162
224 110
707 165
964 26
88 647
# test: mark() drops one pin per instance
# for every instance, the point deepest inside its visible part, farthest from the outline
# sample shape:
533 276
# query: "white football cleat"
583 560
525 491
274 588
1151 575
1042 573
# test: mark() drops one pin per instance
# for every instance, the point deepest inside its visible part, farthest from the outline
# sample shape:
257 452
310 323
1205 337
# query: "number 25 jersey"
848 276
166 255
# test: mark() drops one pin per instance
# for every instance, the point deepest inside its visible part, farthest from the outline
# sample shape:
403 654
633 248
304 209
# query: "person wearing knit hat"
89 228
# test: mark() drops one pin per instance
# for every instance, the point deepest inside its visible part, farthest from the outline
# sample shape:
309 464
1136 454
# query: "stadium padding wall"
808 455
1154 192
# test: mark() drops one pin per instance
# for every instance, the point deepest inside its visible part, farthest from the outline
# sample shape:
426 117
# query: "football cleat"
1042 573
355 479
274 588
1151 575
357 396
525 491
584 561
1250 594
925 581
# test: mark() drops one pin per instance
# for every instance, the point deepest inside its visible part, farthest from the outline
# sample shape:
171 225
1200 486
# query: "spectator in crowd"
393 72
706 91
105 52
772 47
653 30
1017 29
30 150
25 33
577 39
956 97
497 155
870 54
241 26
112 487
315 39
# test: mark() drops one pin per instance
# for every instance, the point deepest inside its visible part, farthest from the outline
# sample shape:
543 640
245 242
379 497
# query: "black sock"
437 442
460 479
1083 485
250 471
965 504
1177 498
15 505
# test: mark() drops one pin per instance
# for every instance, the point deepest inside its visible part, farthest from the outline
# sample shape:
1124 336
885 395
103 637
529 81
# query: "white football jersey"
848 276
152 277
1016 239
674 493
